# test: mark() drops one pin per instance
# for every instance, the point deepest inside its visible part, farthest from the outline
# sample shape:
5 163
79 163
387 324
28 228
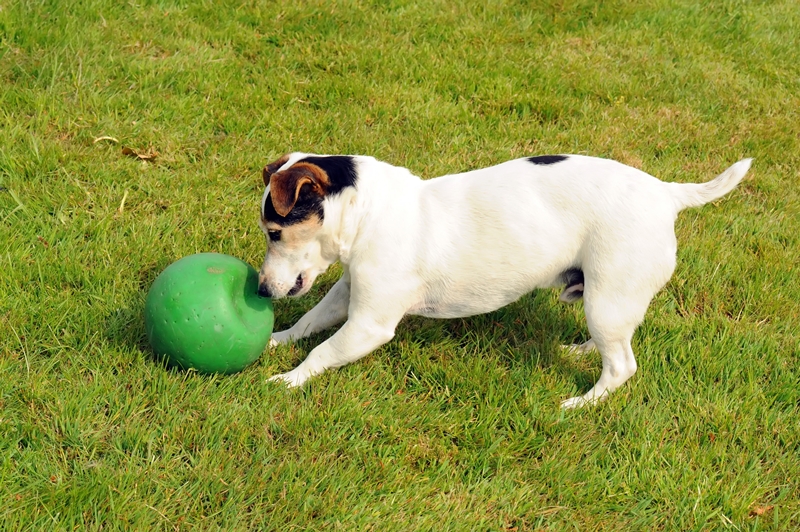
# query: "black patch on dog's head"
307 205
341 170
547 159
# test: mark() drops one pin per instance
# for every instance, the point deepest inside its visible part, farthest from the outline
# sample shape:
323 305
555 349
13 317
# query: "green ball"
203 312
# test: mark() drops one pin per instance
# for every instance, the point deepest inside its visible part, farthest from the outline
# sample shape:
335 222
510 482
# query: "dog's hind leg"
574 281
623 271
612 317
619 365
611 321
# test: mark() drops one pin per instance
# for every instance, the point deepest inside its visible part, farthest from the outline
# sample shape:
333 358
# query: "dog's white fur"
470 243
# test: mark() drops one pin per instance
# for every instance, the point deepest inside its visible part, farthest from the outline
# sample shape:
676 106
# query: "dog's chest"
455 303
435 309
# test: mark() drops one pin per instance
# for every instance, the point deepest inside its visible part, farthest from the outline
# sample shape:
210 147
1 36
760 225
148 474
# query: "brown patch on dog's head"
272 167
285 186
297 193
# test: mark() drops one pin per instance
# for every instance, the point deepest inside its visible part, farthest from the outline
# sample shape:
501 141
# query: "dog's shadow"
528 332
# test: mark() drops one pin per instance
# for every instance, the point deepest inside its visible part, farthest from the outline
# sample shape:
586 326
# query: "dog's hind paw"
574 402
592 397
582 400
580 349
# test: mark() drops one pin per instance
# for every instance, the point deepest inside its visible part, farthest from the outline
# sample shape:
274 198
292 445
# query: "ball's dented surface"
203 312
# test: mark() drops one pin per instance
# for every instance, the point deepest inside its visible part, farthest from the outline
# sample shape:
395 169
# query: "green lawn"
454 425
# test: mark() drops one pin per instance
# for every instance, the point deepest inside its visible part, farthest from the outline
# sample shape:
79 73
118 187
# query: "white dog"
470 243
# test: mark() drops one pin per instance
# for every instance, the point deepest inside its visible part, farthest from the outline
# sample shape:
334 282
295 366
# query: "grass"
454 425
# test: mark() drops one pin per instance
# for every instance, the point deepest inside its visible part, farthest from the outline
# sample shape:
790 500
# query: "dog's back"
494 234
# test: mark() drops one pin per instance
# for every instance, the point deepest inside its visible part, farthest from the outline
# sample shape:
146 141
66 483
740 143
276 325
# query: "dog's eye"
274 235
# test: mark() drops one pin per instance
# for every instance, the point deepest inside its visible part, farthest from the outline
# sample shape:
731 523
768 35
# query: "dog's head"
299 190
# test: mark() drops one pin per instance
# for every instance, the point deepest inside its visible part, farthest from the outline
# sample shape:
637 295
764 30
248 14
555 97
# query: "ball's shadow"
124 328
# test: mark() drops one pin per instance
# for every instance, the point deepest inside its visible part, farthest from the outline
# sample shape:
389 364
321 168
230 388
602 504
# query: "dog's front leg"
356 338
332 310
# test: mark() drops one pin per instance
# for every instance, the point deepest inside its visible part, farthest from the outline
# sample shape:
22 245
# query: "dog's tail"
695 194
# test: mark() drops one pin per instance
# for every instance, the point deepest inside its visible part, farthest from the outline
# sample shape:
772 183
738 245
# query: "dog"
469 243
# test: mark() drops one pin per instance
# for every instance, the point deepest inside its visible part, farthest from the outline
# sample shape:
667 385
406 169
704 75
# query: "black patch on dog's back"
547 159
573 278
341 170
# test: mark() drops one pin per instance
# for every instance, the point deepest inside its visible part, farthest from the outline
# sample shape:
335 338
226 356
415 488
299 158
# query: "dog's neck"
355 210
341 225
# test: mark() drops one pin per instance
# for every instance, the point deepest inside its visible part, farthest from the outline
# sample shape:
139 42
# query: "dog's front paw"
292 379
279 338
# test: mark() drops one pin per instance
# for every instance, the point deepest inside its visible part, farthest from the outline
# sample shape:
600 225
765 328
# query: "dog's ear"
272 167
286 185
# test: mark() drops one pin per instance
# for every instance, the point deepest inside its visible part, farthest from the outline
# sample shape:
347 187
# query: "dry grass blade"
149 155
760 510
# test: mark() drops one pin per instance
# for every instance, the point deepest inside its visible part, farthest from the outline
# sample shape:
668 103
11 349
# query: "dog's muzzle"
264 291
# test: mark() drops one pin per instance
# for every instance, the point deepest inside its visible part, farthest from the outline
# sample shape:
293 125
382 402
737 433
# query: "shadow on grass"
124 327
528 332
124 331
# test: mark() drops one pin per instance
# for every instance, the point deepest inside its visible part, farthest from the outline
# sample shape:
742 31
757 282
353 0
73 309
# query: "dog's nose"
263 291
